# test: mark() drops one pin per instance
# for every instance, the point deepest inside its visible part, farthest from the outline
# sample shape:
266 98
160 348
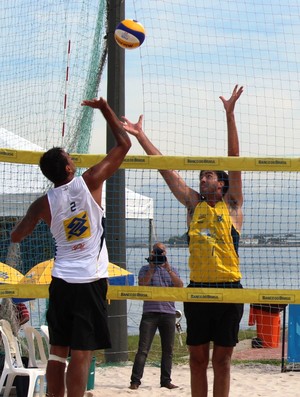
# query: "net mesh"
53 56
51 59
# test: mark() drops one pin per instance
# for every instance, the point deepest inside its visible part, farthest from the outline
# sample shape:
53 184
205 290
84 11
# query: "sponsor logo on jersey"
77 227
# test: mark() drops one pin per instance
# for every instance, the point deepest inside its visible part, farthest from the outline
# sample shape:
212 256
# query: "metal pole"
115 186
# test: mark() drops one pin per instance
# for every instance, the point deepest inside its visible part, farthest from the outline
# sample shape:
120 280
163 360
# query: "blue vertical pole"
293 355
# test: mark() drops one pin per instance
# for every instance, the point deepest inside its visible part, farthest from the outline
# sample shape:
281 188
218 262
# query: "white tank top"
76 225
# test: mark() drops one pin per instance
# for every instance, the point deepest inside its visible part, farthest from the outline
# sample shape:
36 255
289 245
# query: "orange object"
267 325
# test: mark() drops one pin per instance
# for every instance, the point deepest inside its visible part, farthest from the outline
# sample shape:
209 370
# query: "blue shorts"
217 322
77 315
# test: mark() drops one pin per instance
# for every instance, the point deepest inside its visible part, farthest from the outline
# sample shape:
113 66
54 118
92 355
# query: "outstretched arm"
184 194
234 196
38 210
96 175
229 105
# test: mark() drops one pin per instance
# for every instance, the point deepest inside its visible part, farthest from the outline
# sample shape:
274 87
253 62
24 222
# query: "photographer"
156 315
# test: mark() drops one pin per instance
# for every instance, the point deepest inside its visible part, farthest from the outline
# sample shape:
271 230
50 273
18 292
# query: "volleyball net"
53 56
269 245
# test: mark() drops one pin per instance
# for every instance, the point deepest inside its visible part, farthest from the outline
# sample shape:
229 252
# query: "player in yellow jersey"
214 218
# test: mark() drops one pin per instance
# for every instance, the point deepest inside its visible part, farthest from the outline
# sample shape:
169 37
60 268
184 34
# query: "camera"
158 257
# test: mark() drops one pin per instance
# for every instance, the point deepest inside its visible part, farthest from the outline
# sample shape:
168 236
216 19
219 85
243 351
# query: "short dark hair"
53 165
222 176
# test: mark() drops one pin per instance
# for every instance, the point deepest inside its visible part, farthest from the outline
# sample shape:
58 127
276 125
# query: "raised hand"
133 128
230 103
94 103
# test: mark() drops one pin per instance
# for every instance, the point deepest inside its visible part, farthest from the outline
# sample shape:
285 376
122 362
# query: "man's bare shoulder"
40 208
40 201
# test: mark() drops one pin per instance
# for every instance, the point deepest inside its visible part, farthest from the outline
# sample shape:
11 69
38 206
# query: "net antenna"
66 94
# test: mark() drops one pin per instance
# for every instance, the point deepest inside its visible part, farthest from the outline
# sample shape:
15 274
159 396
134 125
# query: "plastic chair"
45 331
13 364
37 354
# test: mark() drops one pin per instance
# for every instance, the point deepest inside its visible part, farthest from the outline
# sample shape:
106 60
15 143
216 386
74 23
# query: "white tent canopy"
20 184
137 205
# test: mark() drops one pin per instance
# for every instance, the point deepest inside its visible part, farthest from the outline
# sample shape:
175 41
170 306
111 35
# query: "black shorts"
217 322
77 315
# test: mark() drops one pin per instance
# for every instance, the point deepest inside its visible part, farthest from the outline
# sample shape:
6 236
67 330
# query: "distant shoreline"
269 245
145 245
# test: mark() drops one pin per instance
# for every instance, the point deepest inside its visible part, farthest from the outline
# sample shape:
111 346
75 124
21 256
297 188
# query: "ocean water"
262 267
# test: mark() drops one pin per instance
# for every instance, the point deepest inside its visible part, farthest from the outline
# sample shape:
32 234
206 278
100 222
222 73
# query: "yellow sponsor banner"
8 155
279 297
9 291
221 295
202 162
86 160
274 163
204 296
167 162
19 156
31 291
224 295
136 162
77 159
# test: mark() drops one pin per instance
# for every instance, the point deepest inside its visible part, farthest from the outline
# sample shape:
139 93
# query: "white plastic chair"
13 364
36 350
45 331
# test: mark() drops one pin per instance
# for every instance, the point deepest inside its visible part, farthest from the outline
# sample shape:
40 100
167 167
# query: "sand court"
247 380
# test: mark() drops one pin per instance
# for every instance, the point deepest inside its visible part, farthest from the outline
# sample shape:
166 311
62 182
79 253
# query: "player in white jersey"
77 315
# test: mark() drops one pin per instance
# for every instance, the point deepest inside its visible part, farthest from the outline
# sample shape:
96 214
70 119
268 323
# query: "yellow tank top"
213 257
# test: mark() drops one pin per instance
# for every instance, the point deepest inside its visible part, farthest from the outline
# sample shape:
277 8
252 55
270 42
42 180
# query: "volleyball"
130 34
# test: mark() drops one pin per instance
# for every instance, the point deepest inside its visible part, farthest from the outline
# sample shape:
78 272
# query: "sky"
45 58
193 53
196 51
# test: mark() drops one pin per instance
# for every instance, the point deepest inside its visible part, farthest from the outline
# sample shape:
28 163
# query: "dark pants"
150 322
22 385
